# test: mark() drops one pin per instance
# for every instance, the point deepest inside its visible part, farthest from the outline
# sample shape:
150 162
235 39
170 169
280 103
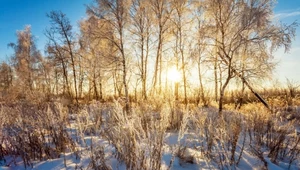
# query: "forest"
151 84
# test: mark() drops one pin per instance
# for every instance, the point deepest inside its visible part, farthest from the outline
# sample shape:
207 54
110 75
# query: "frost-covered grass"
155 135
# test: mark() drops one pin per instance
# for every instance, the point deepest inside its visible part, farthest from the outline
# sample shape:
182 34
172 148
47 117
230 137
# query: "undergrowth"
137 139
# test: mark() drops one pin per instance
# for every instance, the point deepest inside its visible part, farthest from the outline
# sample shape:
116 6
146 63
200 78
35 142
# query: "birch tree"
181 21
97 54
115 13
25 58
245 22
200 49
141 25
62 38
162 13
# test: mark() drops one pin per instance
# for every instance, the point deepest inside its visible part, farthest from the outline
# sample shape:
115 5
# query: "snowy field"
172 138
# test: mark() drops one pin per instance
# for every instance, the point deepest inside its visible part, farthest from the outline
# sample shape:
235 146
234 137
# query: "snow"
248 161
193 158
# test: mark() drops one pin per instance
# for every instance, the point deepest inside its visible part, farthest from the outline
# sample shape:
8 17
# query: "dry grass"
40 132
34 132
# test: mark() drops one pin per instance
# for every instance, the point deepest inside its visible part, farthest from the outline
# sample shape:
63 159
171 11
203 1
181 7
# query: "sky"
15 14
288 11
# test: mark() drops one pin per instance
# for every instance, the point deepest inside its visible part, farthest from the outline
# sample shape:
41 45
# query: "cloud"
287 14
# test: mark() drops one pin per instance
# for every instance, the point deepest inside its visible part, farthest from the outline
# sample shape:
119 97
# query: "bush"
34 132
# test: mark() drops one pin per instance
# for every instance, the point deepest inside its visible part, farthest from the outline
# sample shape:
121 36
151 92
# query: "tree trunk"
81 79
183 66
146 67
202 97
157 61
127 107
70 50
216 77
246 83
222 92
142 67
56 82
65 75
160 71
101 89
125 86
95 87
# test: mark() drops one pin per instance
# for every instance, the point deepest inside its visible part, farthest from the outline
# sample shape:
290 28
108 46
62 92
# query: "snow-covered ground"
69 161
182 149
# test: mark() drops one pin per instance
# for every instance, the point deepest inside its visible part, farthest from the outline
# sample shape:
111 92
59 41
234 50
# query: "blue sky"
288 11
15 14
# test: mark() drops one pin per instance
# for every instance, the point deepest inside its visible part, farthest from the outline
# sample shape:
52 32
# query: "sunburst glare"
174 75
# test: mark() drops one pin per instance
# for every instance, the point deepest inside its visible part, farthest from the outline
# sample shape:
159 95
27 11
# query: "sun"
174 75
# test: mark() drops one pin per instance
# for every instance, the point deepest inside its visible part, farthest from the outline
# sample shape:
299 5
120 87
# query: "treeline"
126 47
